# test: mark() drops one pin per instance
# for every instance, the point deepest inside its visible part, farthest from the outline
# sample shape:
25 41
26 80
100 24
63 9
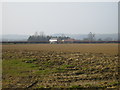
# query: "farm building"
53 40
68 40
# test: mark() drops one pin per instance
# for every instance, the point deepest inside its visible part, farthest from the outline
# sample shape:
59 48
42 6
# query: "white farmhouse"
53 40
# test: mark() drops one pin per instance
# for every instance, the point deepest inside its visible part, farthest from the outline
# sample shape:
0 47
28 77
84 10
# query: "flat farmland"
60 65
83 48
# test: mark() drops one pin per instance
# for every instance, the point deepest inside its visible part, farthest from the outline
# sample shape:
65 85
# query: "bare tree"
91 37
42 34
36 34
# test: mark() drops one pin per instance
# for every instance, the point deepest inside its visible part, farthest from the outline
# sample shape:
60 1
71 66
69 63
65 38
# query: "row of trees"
43 37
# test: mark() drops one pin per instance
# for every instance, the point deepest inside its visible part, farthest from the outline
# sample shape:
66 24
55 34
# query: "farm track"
60 65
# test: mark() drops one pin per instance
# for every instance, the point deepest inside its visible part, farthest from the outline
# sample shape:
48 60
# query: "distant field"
60 65
83 48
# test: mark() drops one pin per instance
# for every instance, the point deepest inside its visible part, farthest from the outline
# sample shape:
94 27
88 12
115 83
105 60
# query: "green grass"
17 67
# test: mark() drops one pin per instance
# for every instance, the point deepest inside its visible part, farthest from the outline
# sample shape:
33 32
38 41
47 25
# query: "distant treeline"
30 42
45 38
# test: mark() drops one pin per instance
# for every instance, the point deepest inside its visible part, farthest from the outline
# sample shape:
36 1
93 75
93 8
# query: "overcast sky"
59 17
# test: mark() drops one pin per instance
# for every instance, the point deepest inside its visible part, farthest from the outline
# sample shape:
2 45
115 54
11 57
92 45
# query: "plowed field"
60 66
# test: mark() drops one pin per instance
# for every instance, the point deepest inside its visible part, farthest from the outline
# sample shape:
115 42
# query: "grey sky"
60 17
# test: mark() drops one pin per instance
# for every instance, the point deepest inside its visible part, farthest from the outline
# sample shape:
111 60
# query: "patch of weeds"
29 60
114 83
94 86
88 85
76 86
45 71
48 63
63 68
84 68
59 70
68 66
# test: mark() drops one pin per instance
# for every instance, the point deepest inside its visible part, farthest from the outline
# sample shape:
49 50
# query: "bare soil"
60 66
